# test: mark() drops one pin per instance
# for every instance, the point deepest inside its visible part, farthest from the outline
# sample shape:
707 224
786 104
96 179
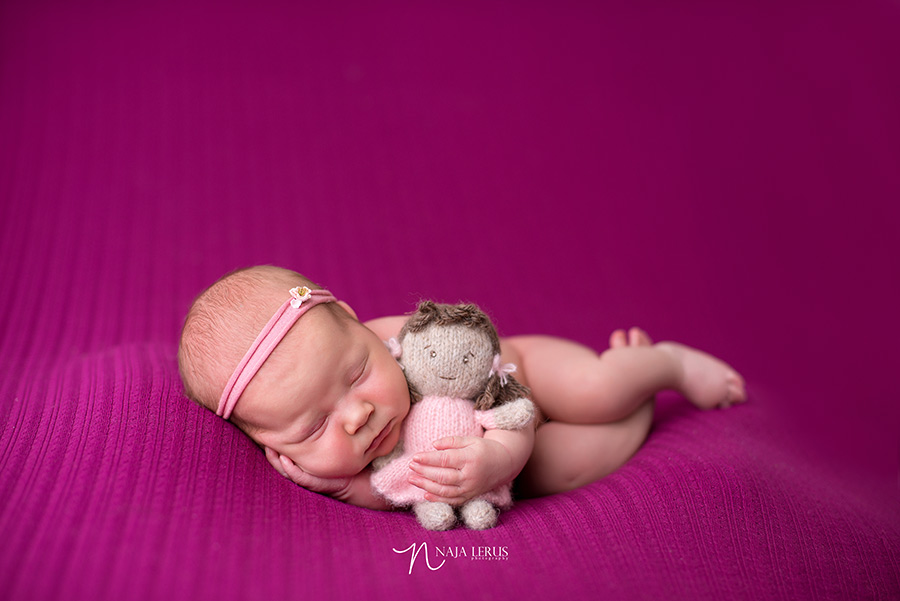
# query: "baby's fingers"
308 481
275 461
454 442
450 458
441 493
439 475
295 473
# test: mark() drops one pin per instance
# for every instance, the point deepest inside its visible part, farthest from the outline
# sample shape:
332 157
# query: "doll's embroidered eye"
466 359
433 354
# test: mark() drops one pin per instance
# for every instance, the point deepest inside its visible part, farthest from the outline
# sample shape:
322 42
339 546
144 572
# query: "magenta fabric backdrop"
723 174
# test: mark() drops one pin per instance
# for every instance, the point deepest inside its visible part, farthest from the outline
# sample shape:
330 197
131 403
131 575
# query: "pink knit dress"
428 420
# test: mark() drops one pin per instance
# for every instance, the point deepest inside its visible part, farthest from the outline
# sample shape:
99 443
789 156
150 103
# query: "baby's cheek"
346 461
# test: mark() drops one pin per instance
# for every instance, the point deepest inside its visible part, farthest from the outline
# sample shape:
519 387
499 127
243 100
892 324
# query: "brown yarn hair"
429 314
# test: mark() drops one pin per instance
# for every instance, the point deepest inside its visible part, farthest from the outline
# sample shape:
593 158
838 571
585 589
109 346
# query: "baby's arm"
355 490
359 492
464 467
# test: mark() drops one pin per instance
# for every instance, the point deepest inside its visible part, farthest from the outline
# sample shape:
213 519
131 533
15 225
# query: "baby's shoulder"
386 327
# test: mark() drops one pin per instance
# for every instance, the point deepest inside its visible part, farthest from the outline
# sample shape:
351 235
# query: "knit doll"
451 357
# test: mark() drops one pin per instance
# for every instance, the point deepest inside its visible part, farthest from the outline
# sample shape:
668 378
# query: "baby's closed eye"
314 430
359 371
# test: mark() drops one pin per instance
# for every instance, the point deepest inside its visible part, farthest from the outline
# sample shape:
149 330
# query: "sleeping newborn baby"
321 394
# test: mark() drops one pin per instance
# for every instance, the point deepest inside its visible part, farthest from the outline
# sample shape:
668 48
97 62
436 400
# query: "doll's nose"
357 416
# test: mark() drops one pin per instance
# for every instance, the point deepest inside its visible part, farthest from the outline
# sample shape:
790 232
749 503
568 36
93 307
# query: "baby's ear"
348 309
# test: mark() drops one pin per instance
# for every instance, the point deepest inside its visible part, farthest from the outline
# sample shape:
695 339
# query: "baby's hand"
462 468
290 470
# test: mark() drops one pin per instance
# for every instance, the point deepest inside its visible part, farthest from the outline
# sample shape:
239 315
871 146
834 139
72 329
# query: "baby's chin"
388 447
393 439
389 444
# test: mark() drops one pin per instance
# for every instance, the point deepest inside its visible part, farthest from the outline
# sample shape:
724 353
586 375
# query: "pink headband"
302 300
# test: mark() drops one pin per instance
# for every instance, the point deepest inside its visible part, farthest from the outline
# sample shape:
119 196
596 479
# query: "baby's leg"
572 384
567 456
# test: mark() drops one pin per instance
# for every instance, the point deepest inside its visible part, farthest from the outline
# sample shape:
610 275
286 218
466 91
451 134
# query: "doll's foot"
478 514
635 337
706 381
435 516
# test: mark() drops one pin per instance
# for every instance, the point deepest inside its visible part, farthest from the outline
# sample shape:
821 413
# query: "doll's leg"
434 516
571 383
478 514
567 456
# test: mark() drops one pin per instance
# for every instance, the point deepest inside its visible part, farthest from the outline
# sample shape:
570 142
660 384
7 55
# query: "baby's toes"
638 337
740 389
735 391
617 339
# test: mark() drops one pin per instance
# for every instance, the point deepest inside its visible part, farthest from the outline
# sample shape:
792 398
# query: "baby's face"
330 397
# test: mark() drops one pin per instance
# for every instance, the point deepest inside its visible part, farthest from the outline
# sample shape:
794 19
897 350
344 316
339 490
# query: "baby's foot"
635 337
706 381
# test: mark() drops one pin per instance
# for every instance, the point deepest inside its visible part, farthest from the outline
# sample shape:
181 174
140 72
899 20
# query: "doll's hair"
429 314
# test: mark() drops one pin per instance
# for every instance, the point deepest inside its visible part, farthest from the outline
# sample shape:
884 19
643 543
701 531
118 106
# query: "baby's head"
330 396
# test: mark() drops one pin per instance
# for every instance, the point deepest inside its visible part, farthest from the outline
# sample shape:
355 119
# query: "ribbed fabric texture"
723 174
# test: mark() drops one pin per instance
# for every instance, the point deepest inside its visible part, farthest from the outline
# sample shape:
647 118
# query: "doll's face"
453 360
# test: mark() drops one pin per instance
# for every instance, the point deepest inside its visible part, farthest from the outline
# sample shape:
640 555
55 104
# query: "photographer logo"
439 555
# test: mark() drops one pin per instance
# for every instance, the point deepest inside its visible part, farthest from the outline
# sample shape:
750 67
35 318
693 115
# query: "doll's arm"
510 416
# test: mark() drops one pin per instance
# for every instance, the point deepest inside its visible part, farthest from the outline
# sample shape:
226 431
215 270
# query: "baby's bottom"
601 406
567 456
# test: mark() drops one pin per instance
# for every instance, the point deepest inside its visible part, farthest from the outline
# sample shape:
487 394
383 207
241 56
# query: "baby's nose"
357 417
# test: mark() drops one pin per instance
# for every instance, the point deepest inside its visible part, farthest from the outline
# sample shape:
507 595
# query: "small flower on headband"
502 370
300 294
